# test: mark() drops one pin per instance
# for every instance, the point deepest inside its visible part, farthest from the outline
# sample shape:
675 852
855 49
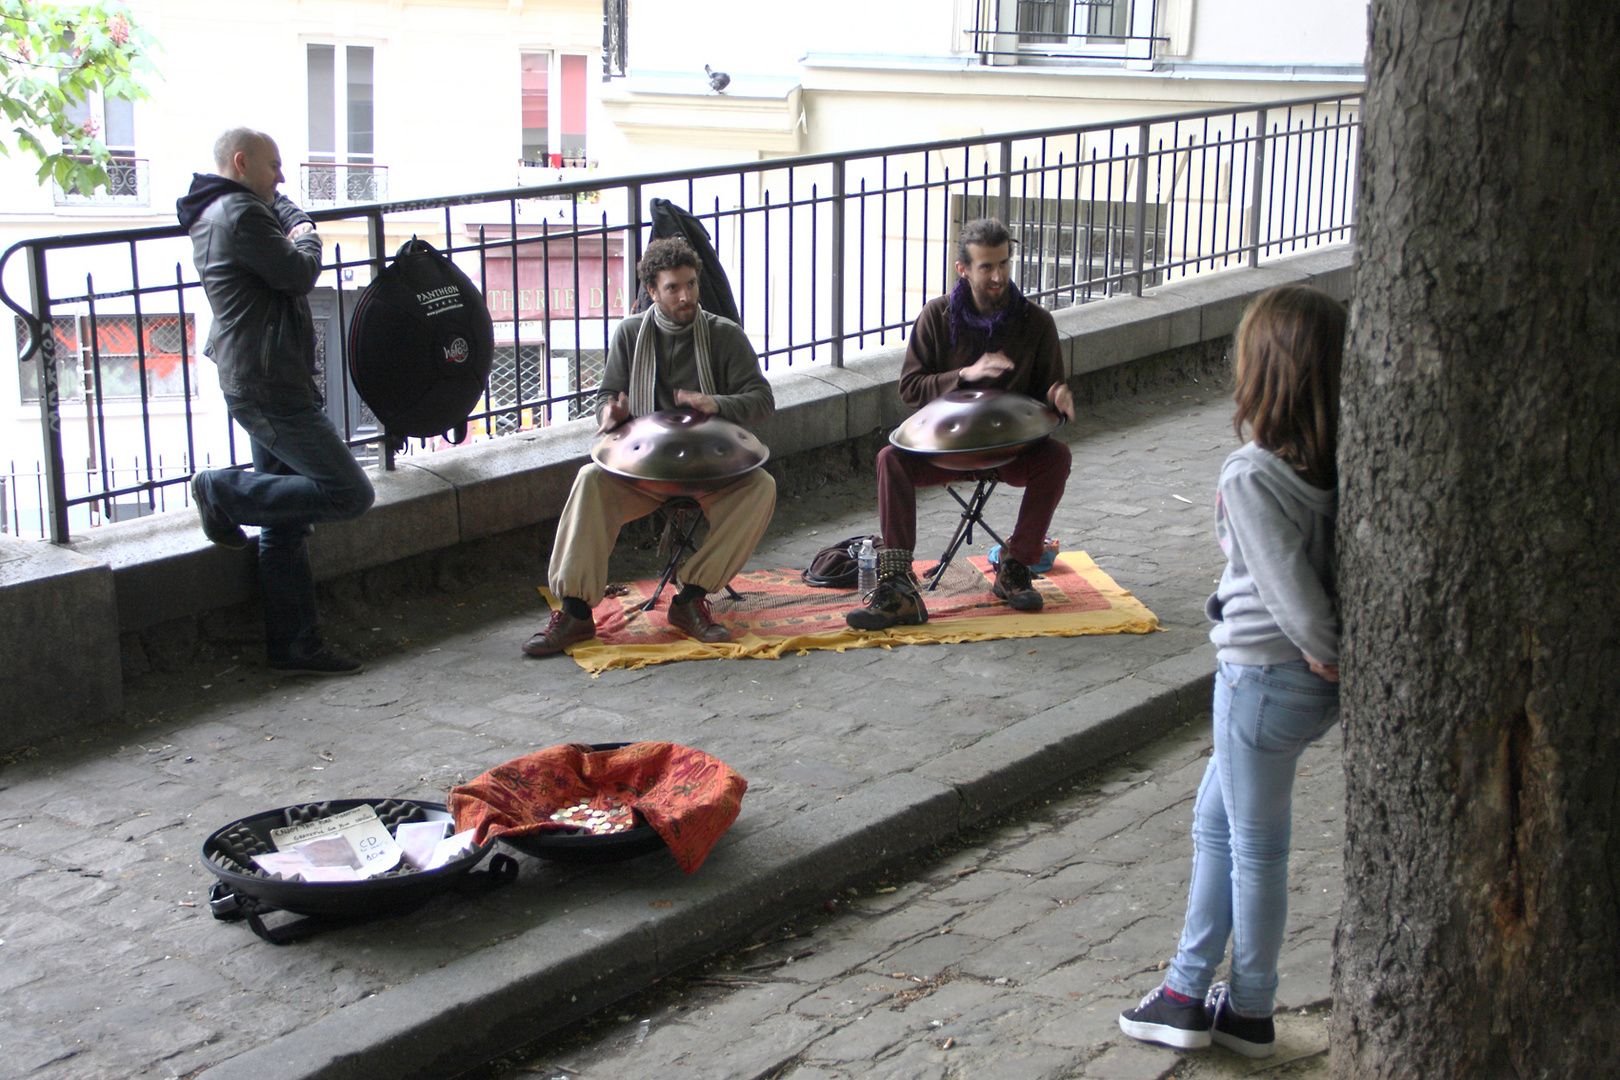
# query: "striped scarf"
644 362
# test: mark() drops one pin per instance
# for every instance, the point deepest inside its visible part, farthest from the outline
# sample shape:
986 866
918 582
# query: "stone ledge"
59 637
161 568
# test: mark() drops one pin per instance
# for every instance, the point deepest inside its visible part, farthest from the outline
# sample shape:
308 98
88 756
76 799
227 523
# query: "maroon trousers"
1042 470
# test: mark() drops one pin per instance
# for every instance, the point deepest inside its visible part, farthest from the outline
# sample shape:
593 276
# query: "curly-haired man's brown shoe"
562 631
693 620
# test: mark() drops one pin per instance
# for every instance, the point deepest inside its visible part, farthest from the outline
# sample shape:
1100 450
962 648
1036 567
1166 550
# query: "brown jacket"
1028 336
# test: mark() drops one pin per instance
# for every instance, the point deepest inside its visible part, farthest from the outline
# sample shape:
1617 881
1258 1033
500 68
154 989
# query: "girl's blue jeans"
1265 717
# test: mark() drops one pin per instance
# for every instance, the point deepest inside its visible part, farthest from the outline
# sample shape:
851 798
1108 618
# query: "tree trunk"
1479 537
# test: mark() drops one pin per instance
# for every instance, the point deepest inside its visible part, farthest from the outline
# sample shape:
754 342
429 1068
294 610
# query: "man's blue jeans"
1265 717
303 473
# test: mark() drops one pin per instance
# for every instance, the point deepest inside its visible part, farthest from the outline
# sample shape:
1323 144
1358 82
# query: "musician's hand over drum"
692 399
1059 397
614 413
992 365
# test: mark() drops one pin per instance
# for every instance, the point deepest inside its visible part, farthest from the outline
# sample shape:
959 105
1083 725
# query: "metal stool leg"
972 514
680 524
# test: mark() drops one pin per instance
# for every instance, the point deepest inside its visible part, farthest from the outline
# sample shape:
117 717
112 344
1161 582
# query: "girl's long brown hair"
1289 346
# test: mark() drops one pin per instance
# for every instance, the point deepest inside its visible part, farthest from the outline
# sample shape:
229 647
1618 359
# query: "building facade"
393 100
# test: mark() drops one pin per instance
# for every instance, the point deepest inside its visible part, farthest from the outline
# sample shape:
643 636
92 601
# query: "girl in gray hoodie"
1276 688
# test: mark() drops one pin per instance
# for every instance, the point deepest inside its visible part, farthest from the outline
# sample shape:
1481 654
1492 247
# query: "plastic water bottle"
866 562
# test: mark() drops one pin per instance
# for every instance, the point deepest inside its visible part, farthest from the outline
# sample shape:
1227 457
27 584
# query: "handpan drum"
968 430
675 452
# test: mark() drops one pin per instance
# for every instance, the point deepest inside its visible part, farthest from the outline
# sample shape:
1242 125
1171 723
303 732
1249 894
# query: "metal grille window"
585 370
515 377
107 358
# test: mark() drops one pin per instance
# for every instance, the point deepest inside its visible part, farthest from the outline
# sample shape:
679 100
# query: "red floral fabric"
690 798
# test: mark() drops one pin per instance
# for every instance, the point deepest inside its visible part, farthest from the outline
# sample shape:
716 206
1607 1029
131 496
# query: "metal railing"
325 184
25 510
826 254
127 185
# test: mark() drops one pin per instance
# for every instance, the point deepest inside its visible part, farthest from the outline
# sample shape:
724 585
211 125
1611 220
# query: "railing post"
837 279
377 242
1140 240
1258 186
50 412
632 198
1004 211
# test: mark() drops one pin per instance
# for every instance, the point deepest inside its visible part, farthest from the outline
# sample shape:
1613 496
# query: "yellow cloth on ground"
779 614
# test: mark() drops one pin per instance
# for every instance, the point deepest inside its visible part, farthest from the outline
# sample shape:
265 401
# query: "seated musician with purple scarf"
984 335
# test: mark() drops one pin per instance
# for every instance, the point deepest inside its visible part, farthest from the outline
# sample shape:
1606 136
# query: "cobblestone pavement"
111 966
1009 957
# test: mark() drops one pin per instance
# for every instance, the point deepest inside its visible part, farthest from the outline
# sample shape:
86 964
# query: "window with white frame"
112 120
341 99
1033 31
552 90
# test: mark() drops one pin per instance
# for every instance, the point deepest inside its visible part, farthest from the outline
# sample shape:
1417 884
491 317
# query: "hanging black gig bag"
420 345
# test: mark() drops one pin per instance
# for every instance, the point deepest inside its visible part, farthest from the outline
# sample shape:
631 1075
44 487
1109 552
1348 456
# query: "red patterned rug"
778 612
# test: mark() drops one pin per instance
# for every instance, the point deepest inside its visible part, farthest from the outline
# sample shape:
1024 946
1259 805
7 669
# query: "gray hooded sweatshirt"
1275 600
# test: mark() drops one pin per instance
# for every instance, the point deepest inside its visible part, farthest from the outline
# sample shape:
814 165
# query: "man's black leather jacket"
256 279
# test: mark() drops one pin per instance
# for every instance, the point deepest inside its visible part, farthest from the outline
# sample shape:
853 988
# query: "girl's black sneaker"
1250 1036
1162 1019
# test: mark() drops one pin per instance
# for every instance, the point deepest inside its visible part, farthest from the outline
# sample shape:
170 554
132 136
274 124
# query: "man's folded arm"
262 246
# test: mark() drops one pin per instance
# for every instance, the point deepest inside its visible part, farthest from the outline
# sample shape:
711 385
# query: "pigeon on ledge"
718 80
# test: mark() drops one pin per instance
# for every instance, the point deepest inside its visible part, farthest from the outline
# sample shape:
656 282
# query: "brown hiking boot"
896 601
892 603
563 630
1013 584
694 621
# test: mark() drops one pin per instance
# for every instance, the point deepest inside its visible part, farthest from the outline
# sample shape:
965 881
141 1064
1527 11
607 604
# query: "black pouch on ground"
420 345
834 567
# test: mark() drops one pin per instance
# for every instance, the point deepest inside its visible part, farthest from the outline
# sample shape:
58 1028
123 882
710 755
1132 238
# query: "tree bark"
1479 534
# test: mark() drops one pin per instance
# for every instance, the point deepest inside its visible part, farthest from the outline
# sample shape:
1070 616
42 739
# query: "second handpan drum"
968 430
676 452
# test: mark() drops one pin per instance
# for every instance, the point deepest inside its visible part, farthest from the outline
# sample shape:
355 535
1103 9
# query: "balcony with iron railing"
322 185
128 184
827 255
1058 31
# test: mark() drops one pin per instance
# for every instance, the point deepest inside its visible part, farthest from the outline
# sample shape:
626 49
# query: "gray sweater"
1275 600
741 392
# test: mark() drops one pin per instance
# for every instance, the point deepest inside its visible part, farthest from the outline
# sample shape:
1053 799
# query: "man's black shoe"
215 525
1254 1037
1013 585
1160 1018
892 603
325 662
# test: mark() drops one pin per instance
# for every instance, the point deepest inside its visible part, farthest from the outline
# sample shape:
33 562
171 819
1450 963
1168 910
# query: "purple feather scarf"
964 316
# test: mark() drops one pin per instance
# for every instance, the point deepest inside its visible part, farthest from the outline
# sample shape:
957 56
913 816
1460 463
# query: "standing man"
258 256
674 355
984 335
